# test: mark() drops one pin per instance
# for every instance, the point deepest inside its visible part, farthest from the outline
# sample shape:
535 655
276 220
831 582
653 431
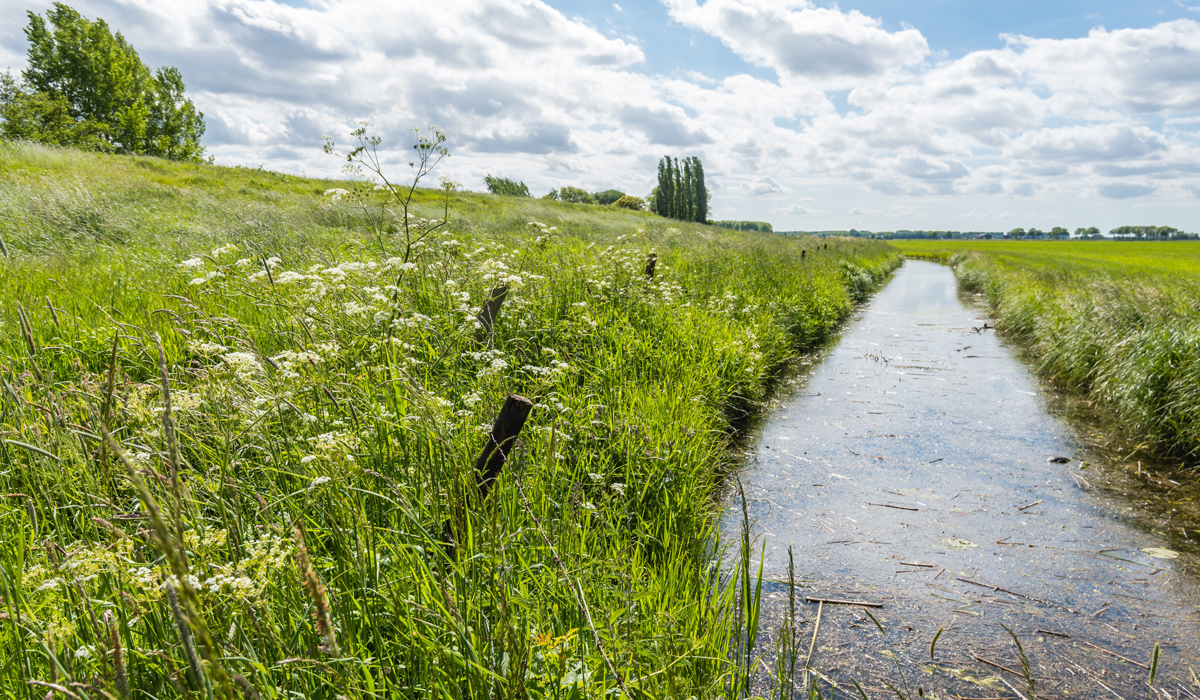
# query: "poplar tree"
687 191
667 191
700 191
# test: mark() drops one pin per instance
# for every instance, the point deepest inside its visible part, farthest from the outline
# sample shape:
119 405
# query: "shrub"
630 202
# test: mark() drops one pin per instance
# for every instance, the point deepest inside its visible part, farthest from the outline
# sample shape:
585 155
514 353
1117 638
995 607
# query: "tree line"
566 193
763 226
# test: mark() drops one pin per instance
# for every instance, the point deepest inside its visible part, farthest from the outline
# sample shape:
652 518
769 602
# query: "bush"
608 196
630 202
574 194
506 187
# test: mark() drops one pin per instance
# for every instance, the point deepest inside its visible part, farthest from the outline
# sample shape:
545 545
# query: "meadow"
1119 320
240 411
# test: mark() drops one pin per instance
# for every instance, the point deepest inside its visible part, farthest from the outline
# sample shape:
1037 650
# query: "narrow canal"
919 465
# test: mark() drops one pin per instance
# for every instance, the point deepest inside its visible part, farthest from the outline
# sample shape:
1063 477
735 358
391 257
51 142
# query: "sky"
968 115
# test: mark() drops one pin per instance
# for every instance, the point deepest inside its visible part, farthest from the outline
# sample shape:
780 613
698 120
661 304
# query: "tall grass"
1118 320
326 403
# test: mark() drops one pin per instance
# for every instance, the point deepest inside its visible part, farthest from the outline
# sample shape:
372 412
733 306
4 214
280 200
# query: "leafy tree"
1059 232
574 194
81 72
45 118
607 196
505 186
1017 233
552 194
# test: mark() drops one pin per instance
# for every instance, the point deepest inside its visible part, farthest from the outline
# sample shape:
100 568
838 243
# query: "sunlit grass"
329 401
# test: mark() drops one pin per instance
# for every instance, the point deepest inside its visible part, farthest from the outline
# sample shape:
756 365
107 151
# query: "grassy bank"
1118 320
327 402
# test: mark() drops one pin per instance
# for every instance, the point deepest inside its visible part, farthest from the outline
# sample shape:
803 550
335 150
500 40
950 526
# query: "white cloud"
791 209
762 185
801 41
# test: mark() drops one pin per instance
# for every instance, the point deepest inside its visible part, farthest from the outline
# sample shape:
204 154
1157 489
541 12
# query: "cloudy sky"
973 115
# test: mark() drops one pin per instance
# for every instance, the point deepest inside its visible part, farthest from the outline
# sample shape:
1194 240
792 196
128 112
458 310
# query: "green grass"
328 403
1118 320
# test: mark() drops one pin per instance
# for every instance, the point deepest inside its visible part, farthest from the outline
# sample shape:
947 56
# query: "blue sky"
872 114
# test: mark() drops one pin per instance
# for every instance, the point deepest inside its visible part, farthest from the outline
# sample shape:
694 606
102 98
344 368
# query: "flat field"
1119 320
267 518
1133 259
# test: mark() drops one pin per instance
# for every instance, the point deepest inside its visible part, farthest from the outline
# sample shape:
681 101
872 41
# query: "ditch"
917 464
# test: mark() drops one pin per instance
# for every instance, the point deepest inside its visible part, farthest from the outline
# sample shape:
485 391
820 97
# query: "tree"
1059 232
700 191
38 116
607 196
87 87
577 195
505 186
666 188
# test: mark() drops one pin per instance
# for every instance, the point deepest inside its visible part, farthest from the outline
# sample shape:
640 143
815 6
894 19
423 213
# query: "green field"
1118 320
327 402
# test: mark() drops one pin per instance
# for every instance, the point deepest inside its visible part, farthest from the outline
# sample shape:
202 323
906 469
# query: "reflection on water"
918 466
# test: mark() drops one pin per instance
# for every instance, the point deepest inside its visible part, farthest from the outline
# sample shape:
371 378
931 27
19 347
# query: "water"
912 467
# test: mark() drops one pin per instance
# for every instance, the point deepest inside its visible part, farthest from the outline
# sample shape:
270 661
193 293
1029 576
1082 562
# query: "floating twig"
1032 504
1113 653
836 601
885 505
1019 595
996 665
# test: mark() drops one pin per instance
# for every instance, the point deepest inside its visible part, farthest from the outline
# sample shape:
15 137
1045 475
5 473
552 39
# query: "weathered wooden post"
489 312
494 455
803 252
651 261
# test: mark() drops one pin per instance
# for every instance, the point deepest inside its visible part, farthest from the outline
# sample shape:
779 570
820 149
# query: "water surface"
920 465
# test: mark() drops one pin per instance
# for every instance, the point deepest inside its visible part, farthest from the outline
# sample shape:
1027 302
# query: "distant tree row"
680 193
1151 233
512 188
746 225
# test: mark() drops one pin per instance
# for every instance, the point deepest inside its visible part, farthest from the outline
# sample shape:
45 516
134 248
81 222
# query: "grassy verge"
327 403
1118 320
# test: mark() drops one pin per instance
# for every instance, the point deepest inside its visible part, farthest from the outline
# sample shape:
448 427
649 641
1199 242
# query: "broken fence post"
489 312
494 455
651 261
